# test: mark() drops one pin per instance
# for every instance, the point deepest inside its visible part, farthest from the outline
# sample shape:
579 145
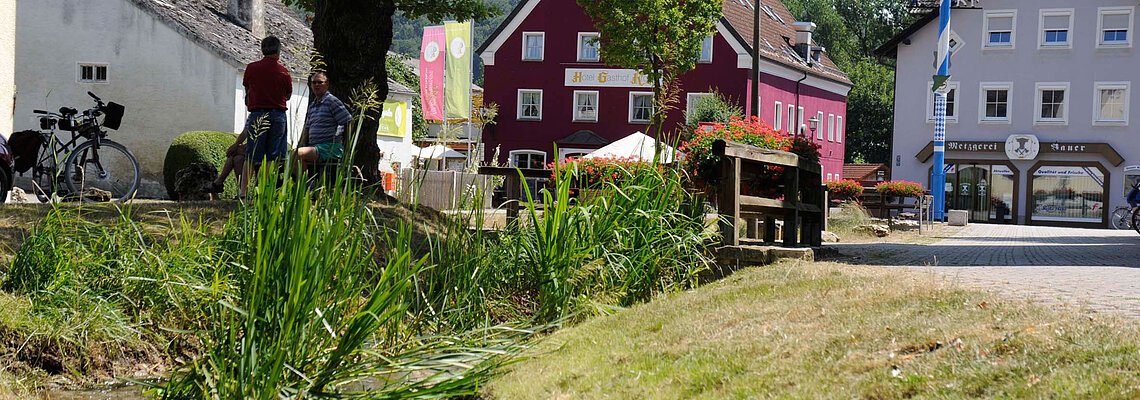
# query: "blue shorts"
270 140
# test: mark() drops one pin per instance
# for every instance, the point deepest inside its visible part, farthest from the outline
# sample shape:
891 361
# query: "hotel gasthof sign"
590 77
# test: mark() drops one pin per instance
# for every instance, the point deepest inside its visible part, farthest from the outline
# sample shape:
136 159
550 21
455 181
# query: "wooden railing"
801 206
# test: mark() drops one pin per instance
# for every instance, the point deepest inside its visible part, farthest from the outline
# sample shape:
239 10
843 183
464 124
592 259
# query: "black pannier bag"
114 115
25 146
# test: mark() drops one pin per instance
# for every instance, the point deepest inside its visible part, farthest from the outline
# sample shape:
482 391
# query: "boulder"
829 237
904 225
874 229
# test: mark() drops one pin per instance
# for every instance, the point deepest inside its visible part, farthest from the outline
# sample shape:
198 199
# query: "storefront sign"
1132 168
590 77
999 169
974 146
1022 147
1069 171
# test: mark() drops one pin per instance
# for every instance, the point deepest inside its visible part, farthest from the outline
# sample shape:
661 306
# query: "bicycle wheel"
44 182
108 172
1136 219
1121 218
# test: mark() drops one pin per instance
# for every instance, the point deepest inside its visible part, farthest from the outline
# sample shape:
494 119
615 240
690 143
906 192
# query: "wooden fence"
801 206
443 190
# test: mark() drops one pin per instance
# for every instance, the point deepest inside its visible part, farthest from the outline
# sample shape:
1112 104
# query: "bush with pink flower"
844 189
900 189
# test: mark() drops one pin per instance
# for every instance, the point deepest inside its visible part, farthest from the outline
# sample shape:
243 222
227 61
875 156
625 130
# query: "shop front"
1065 184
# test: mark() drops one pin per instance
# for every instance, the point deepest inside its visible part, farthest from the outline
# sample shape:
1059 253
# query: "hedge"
198 146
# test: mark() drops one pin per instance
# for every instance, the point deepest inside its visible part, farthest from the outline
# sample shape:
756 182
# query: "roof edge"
502 25
890 47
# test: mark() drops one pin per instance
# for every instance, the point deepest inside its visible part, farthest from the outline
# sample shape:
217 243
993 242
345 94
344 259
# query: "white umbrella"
637 145
438 152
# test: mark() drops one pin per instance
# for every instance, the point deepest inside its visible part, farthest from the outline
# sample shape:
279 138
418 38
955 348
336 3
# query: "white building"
7 64
175 64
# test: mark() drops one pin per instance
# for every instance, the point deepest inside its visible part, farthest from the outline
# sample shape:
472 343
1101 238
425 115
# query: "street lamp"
813 124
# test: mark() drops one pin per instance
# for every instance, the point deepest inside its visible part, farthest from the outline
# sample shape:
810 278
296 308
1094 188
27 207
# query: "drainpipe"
796 120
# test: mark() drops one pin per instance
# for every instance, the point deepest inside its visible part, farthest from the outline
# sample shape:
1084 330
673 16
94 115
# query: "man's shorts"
329 151
267 135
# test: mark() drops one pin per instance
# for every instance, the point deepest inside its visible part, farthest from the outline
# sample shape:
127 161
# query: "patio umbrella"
637 145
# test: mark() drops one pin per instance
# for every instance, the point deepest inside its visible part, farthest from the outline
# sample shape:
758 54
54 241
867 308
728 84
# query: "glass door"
972 191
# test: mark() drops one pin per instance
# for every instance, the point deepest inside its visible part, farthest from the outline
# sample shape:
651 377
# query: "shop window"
1068 194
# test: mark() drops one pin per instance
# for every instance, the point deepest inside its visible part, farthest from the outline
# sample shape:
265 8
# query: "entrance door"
972 191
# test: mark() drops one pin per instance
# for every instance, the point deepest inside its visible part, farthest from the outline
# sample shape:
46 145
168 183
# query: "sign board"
597 77
1022 147
393 119
999 169
1132 168
1069 171
936 3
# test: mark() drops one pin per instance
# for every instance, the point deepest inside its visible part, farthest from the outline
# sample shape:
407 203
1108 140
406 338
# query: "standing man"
268 87
325 123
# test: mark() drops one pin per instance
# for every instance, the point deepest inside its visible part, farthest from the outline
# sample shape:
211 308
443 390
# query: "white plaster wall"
396 149
169 84
7 64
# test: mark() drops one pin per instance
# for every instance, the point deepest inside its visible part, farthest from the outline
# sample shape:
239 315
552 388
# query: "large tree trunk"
352 37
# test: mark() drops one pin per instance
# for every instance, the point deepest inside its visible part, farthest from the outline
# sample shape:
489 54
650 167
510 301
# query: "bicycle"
1121 218
95 169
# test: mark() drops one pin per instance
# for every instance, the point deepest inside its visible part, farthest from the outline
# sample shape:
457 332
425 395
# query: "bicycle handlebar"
93 96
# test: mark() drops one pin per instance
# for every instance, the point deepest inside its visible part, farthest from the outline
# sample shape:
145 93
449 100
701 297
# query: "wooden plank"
765 156
514 189
792 216
728 200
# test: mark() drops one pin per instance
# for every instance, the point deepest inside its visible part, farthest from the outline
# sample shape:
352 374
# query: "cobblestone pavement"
1090 268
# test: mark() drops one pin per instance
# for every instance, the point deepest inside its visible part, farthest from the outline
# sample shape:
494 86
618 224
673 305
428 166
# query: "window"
831 127
1056 28
1111 103
528 159
819 125
588 46
706 50
778 117
691 100
533 46
92 73
585 106
530 104
951 102
998 29
1113 27
640 107
956 42
839 129
800 127
1068 194
994 102
1052 103
791 128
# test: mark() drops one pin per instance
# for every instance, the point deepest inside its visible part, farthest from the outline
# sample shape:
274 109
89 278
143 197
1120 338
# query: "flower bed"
900 189
844 189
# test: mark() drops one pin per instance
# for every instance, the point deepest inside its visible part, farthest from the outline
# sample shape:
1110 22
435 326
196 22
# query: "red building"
543 70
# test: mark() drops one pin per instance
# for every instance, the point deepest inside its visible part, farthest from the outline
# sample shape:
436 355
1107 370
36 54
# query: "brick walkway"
1090 268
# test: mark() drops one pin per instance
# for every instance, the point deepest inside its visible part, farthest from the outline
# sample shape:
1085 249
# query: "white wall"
298 104
7 60
168 83
396 149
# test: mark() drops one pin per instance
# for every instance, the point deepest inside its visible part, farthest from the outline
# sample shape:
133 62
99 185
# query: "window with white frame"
800 127
819 125
528 159
778 117
831 127
691 100
791 125
1052 103
530 104
1111 103
838 129
706 50
92 73
534 44
640 107
951 102
994 102
585 106
588 47
1056 28
1114 27
998 29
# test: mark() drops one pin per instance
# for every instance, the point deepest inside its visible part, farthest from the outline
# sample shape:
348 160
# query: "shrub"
844 189
715 108
899 189
197 147
704 167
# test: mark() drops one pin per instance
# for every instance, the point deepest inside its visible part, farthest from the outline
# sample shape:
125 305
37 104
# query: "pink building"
542 68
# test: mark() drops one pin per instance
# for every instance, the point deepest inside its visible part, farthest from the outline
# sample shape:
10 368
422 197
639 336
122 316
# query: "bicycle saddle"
68 111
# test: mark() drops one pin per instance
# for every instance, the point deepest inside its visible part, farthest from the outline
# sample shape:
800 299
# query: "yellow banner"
457 79
394 120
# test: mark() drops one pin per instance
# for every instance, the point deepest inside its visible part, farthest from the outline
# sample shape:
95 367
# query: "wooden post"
513 188
791 196
769 229
728 200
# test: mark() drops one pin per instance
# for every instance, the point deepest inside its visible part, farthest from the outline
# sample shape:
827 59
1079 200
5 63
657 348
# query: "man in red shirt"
268 87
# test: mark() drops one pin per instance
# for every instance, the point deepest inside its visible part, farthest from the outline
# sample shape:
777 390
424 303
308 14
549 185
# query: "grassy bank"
821 330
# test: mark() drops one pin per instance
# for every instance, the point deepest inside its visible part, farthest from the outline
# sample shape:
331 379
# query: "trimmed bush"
197 147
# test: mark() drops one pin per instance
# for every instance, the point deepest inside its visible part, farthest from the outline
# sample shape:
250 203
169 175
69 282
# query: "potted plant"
899 189
703 166
844 189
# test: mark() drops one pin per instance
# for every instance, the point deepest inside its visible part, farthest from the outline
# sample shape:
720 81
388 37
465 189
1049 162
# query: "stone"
17 196
957 217
904 225
829 237
874 229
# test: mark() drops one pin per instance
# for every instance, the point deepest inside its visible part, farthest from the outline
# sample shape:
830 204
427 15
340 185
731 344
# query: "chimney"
803 39
250 14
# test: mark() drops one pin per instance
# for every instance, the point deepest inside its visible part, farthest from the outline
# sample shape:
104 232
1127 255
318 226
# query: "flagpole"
938 172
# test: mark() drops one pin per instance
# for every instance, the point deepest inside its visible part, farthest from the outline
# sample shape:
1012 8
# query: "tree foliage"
661 38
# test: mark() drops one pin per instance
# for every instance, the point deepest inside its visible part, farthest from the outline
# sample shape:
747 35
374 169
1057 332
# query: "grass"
817 330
